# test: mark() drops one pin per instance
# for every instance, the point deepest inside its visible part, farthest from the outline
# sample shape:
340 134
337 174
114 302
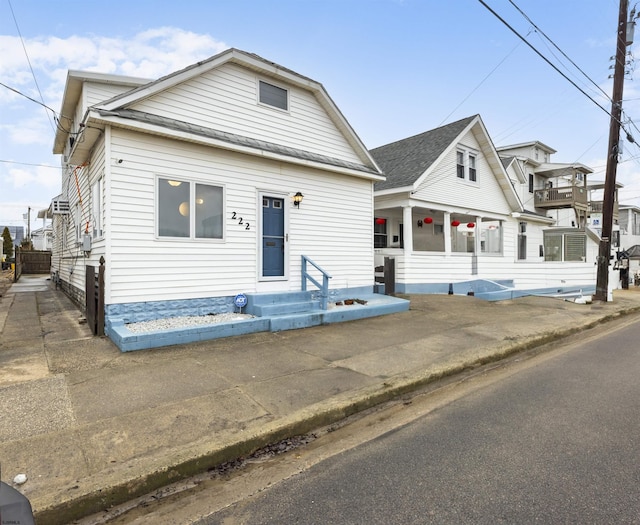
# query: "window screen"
273 96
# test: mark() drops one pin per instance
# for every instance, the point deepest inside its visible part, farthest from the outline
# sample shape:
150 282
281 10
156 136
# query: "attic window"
273 96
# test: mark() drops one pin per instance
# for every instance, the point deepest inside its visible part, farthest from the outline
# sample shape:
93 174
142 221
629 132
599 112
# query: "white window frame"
192 216
270 82
469 157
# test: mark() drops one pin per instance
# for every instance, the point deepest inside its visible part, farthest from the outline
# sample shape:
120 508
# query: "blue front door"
272 237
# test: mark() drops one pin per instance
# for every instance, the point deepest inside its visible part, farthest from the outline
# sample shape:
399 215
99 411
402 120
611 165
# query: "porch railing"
573 196
324 287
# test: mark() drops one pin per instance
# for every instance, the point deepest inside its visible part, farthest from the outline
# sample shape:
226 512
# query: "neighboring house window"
466 166
460 164
565 246
530 182
472 168
462 241
379 233
190 210
96 208
490 237
522 241
273 95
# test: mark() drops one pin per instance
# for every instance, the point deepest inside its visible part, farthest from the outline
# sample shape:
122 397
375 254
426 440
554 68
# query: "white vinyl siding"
333 226
225 99
443 186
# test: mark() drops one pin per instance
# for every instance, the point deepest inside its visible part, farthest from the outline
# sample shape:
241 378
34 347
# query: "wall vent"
60 207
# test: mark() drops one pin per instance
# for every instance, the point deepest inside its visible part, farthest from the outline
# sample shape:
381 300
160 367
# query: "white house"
456 217
233 176
630 238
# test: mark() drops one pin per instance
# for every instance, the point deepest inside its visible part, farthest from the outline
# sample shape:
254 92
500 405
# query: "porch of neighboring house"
461 253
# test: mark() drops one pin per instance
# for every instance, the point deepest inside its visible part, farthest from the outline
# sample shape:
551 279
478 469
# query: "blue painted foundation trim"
127 341
274 312
492 290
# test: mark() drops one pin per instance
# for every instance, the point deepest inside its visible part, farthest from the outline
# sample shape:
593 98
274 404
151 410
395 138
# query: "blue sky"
395 68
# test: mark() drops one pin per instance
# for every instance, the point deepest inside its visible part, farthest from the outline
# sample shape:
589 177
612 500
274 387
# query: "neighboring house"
630 237
457 217
219 179
629 220
42 238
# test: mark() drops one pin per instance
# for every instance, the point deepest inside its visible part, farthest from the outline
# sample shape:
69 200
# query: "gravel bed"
172 323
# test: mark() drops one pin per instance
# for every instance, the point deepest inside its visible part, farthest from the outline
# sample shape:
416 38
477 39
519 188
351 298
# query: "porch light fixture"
419 223
455 224
297 199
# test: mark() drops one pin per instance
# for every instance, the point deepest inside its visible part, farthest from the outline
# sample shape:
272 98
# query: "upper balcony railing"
553 198
598 206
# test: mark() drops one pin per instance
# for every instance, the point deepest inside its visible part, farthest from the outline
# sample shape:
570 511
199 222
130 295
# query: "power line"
543 57
28 97
479 84
30 164
35 80
555 45
55 117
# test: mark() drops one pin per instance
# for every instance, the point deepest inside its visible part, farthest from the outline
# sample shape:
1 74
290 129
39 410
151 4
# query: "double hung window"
379 233
466 168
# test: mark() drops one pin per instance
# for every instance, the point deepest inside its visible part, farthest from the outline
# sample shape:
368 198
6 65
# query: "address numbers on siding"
236 217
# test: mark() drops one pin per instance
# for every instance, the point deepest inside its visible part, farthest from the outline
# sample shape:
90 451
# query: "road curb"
142 476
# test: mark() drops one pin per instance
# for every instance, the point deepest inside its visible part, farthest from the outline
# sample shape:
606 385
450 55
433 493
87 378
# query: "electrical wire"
55 117
545 59
28 97
31 164
479 84
24 47
556 46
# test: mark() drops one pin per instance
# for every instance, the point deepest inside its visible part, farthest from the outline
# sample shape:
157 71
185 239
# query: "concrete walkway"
91 426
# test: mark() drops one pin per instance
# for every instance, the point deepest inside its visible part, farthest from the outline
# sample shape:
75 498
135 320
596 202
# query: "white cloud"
36 176
149 54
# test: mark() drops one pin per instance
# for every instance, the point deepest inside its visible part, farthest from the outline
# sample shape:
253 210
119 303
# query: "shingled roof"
404 161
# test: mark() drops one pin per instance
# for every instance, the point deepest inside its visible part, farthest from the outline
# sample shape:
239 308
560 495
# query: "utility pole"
604 253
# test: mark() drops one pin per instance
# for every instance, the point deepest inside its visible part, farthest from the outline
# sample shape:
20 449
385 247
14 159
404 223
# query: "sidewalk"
91 426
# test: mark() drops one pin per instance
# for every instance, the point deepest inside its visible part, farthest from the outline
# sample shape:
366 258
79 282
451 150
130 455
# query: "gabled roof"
117 111
534 143
405 161
517 167
260 65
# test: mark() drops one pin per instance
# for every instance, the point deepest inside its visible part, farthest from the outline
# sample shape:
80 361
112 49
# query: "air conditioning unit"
60 207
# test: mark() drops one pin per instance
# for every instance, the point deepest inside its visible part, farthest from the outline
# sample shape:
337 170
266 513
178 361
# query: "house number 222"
235 216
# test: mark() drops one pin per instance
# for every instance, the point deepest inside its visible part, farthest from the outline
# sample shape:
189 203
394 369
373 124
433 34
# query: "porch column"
446 230
476 234
407 229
